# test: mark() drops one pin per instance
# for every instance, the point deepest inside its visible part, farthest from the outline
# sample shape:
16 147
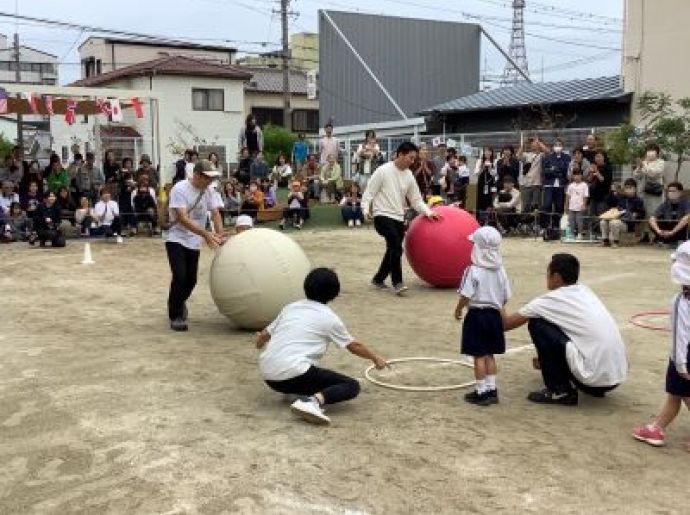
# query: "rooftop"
172 43
581 90
170 65
267 80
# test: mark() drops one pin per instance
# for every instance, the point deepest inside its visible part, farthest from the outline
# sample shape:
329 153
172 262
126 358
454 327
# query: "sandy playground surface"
104 410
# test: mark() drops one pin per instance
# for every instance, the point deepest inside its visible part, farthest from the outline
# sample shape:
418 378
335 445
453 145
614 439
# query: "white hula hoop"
378 382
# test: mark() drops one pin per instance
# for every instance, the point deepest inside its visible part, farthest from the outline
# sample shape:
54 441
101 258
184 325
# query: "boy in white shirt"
577 196
295 342
106 214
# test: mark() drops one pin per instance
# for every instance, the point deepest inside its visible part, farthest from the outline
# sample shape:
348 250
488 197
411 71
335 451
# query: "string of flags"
32 103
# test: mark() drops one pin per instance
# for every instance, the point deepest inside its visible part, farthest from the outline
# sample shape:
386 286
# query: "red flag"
49 104
104 106
138 107
70 111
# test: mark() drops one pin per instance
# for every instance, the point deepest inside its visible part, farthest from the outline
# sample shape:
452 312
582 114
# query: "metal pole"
18 79
284 4
505 54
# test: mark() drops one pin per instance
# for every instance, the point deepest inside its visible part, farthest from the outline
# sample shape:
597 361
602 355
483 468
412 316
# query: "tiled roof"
170 65
267 80
523 94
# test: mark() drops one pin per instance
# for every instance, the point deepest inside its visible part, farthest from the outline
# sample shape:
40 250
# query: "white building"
200 105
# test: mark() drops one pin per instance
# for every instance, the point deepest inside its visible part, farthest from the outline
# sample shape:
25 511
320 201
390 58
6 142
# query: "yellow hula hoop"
378 382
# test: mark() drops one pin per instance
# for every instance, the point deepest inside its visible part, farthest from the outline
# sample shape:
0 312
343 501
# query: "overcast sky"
584 43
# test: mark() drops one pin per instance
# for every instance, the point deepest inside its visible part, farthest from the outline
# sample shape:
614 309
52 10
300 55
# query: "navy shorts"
482 333
676 385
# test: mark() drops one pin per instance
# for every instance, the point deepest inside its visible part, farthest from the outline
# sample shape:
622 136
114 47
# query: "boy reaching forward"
296 341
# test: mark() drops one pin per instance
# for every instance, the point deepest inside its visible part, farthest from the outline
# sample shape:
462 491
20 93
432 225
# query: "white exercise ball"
255 274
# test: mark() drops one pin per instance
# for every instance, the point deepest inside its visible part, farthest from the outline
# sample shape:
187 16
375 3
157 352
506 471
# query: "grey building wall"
420 63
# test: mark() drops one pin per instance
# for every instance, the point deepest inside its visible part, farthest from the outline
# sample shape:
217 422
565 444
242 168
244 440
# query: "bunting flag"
70 111
104 106
48 100
115 110
3 101
33 101
138 107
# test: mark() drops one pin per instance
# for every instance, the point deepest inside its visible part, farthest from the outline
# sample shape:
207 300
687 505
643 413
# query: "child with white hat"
243 223
677 374
486 290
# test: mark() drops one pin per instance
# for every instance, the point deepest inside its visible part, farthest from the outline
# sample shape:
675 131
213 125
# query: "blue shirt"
300 149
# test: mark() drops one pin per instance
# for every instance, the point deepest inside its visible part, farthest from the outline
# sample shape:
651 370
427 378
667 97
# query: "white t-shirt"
680 336
577 193
189 170
596 353
110 210
485 287
299 339
183 194
389 189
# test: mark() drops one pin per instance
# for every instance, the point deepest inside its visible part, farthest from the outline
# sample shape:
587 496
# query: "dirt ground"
104 410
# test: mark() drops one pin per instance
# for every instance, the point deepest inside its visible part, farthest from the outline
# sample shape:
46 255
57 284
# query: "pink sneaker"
649 434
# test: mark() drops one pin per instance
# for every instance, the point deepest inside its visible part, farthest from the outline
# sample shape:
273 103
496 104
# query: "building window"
208 99
305 120
266 115
98 66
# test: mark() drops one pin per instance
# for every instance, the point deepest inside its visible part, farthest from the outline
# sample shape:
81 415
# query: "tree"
667 123
276 140
6 147
624 145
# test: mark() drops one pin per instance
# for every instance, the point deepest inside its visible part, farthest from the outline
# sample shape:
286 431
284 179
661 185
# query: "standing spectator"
251 136
486 184
33 174
190 203
507 165
631 212
669 224
215 163
127 187
232 201
244 167
8 196
296 206
47 222
282 171
600 179
351 205
366 157
462 181
57 176
578 162
90 178
449 176
331 180
555 166
392 186
106 215
487 160
576 204
111 168
146 169
183 165
258 170
650 173
532 174
507 205
30 200
590 147
328 144
300 150
73 170
439 162
83 216
423 171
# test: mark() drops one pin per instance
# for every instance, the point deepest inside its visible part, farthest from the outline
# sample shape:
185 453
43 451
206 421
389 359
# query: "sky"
568 39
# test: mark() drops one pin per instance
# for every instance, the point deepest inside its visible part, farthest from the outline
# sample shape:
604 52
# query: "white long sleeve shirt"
680 339
388 190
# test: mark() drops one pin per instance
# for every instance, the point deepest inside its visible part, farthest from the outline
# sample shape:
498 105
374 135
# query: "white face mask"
557 149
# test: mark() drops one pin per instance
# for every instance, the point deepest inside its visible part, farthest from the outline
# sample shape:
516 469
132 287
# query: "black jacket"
44 212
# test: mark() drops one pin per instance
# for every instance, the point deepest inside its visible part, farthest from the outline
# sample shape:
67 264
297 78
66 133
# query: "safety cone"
88 260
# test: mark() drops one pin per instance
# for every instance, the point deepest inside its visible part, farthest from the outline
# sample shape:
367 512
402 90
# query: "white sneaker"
119 239
358 223
309 409
350 223
400 289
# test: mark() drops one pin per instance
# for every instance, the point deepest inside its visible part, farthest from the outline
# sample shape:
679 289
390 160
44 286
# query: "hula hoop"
634 320
378 382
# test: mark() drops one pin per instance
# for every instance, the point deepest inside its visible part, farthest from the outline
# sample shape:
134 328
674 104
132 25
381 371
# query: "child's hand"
458 313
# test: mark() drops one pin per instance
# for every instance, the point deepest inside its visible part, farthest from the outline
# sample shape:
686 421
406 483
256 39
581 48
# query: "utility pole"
284 5
18 79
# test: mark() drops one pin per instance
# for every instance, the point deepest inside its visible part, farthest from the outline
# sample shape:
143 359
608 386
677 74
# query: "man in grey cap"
190 201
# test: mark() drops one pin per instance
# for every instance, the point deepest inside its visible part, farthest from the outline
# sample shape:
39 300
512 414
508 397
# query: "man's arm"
513 321
217 220
182 217
415 199
373 187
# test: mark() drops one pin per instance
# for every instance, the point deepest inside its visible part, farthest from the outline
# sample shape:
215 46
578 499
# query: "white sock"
490 381
481 385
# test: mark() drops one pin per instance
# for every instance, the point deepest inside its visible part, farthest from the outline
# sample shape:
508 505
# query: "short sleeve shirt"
577 193
486 288
183 194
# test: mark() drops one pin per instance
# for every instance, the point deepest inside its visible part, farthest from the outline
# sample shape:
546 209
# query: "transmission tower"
518 51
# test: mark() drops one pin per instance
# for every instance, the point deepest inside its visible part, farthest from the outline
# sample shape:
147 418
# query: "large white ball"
255 274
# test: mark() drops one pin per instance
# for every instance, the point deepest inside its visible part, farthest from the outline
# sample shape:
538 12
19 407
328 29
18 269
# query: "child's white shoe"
310 410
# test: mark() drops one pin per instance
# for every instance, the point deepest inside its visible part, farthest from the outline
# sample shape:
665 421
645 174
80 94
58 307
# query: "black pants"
54 236
668 225
334 387
552 207
550 342
148 218
393 232
184 264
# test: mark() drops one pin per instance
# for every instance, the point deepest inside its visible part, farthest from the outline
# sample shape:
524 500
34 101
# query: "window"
266 115
98 66
305 120
208 99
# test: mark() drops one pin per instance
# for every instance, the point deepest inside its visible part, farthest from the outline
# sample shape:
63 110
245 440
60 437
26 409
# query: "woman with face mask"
650 173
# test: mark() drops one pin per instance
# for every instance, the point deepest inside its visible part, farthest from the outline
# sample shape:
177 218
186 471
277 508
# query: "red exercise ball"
439 250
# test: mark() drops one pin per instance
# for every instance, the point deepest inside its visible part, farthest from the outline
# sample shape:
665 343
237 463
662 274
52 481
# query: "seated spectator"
508 204
253 200
127 187
296 206
144 208
269 190
310 176
57 177
8 196
627 215
34 174
258 170
243 223
106 214
244 165
30 200
146 169
66 205
90 178
83 216
232 200
17 226
670 221
47 222
351 205
331 180
282 171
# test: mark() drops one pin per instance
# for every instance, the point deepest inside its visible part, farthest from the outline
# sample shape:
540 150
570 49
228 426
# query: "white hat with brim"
680 269
244 221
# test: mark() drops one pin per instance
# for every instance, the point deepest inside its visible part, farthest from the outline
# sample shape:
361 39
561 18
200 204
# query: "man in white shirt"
190 202
106 216
390 187
577 340
328 145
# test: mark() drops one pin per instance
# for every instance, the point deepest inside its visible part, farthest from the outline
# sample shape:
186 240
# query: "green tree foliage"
6 146
276 140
